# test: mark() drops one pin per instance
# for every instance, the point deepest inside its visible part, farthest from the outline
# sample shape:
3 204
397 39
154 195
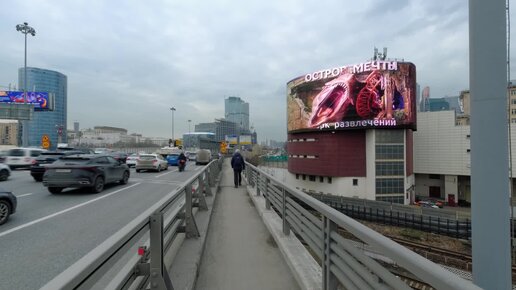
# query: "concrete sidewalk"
240 252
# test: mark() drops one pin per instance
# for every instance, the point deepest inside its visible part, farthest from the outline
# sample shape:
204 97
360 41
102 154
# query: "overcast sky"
129 61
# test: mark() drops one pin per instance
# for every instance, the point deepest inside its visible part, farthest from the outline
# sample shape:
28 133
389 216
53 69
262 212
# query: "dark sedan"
37 168
8 204
91 171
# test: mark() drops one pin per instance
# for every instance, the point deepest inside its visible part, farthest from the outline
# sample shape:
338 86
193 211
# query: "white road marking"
169 171
63 211
22 195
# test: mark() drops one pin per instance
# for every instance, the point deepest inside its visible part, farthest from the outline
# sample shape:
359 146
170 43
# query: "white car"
131 160
151 162
5 172
21 157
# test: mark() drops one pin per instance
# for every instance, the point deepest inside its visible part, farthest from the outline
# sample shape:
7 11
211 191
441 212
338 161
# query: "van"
21 157
203 156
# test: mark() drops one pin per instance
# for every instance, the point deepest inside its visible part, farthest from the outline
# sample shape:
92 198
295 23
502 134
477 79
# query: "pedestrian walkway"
240 253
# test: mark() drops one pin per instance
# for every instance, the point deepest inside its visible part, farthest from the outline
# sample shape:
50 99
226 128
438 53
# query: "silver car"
154 162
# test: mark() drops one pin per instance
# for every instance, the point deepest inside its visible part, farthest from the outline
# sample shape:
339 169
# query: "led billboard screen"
245 140
374 94
39 99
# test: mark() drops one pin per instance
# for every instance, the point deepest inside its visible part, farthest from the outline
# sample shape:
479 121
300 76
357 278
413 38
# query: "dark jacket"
181 157
237 162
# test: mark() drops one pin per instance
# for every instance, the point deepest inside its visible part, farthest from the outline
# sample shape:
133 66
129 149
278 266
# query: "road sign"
45 141
45 145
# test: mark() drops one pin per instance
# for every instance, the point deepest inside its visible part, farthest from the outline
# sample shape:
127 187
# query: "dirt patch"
430 239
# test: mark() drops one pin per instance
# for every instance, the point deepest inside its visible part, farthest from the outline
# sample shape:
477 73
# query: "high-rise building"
47 122
237 111
76 128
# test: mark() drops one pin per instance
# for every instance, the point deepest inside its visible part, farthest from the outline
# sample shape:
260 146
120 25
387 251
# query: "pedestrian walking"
238 164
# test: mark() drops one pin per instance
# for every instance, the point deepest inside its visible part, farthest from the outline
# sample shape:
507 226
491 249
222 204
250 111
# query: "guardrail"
132 258
439 221
343 263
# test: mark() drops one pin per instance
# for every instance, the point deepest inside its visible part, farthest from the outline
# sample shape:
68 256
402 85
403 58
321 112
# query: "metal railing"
439 221
132 258
342 262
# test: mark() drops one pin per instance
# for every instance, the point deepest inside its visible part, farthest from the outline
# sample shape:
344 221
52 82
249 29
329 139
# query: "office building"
52 123
237 111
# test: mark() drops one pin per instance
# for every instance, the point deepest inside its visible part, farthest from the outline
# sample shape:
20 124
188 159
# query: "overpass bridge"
208 234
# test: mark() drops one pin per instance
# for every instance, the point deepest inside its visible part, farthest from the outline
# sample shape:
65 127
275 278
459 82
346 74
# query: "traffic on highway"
60 226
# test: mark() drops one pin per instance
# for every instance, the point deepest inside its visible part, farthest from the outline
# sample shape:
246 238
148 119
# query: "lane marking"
169 171
63 211
22 195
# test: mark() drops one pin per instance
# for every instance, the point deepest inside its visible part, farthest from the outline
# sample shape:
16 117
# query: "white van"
21 157
203 156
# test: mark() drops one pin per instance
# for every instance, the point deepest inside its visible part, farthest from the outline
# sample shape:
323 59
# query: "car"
5 172
121 156
8 203
131 160
426 203
37 168
84 171
22 157
192 156
172 159
203 157
151 162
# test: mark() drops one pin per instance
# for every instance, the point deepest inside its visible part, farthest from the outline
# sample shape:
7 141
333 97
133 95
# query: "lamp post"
172 109
25 29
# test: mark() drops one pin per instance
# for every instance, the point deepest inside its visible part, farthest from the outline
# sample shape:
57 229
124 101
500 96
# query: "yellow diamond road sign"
45 142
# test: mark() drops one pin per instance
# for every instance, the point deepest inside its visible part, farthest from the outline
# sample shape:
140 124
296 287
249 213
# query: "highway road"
48 233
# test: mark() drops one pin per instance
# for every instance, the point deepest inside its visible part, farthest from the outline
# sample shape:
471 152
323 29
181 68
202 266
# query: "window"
304 177
297 176
384 152
321 179
513 120
389 168
355 182
513 101
434 176
513 111
311 177
329 179
389 186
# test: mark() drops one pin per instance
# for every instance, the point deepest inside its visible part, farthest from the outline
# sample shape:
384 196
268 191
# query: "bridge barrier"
132 258
344 264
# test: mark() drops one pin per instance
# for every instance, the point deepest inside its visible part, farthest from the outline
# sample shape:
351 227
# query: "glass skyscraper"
46 122
237 111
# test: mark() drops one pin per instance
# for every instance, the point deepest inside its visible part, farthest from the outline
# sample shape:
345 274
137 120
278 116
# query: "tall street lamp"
25 29
172 109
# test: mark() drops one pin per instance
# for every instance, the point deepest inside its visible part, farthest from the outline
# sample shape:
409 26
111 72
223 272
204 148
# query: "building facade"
52 123
237 111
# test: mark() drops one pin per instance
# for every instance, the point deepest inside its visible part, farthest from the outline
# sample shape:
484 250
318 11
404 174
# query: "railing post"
266 194
258 179
251 177
206 186
159 278
191 226
286 226
210 176
199 194
329 279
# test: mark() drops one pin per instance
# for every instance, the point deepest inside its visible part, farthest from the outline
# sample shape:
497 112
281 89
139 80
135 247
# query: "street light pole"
172 109
25 29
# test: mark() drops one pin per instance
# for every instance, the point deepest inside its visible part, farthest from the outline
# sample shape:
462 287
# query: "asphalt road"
48 233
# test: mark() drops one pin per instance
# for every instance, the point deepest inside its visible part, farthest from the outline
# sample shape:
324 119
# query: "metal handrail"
90 269
332 219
